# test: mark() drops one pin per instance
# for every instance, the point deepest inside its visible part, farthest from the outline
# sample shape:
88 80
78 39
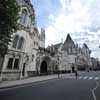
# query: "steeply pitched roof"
57 45
69 39
68 42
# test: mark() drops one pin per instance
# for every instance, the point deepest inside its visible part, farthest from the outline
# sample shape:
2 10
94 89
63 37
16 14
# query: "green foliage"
8 23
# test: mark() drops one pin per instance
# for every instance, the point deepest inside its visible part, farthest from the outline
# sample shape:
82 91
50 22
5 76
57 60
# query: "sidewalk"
9 84
0 79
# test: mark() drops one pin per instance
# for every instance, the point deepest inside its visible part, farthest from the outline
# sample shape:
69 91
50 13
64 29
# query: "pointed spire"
69 39
68 42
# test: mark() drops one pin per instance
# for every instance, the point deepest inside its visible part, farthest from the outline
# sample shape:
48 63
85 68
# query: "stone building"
70 56
95 64
20 60
83 58
27 55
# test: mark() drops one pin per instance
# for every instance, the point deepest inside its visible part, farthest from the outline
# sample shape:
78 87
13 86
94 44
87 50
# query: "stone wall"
12 75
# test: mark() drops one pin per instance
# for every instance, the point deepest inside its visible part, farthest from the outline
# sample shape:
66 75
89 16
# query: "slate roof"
68 42
57 45
69 39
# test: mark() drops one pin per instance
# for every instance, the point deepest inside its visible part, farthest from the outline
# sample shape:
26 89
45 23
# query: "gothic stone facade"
27 55
20 60
70 57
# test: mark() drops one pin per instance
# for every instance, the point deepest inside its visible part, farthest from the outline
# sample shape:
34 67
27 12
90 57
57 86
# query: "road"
86 87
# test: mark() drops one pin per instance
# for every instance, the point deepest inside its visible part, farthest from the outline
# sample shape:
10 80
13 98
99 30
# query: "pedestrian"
76 74
58 74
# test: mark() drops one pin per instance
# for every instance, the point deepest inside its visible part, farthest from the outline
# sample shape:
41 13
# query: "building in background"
83 58
95 64
71 57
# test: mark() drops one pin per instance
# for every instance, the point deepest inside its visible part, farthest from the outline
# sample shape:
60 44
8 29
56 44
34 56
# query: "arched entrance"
43 68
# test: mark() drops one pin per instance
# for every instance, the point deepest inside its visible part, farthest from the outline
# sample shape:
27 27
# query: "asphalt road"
57 89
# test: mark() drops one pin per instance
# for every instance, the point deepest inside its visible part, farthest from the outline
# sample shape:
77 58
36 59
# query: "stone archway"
43 67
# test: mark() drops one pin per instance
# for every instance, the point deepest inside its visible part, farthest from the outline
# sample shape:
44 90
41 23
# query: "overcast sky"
80 18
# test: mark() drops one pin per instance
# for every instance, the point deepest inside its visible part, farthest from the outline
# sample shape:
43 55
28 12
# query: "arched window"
15 41
24 16
21 43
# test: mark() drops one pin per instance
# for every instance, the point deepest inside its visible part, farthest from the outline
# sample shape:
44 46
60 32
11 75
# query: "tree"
9 10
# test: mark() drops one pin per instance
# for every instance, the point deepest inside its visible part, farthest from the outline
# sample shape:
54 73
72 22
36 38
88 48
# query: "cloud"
80 18
65 23
63 3
51 17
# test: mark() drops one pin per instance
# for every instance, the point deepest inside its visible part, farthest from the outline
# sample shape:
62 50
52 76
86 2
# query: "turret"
42 38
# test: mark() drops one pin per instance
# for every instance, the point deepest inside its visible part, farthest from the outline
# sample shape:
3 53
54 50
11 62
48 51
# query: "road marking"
80 77
85 77
96 78
94 96
90 78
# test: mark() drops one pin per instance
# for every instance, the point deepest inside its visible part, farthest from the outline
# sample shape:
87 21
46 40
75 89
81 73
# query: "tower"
42 38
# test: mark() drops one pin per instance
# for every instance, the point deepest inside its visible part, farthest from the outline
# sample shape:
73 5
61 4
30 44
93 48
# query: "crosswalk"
83 77
88 78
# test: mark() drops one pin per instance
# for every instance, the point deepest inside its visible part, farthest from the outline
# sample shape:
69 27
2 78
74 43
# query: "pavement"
15 83
50 87
0 79
57 89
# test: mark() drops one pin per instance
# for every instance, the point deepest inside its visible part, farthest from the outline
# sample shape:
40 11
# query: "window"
18 42
75 60
10 63
13 63
21 43
23 16
32 57
15 41
16 63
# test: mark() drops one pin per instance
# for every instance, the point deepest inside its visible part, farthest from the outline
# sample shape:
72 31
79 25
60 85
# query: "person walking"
58 74
76 74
